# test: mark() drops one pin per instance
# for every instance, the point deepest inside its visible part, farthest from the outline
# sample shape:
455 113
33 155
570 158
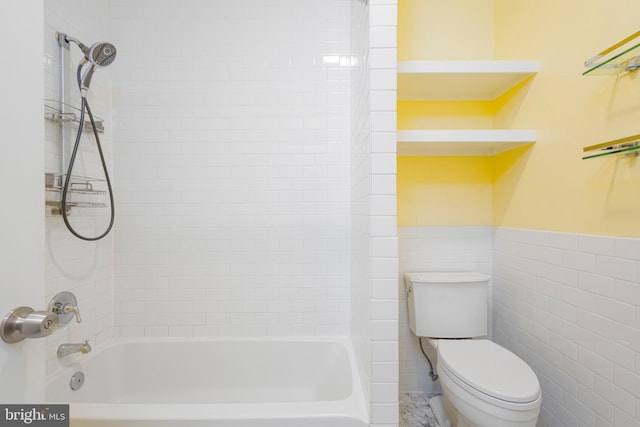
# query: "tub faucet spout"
70 348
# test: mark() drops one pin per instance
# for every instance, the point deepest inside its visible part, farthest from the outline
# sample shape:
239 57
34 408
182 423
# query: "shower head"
97 55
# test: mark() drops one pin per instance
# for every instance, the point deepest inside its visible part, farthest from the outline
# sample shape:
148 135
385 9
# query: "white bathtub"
214 383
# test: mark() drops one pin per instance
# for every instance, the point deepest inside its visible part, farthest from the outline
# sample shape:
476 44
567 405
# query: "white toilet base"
453 417
438 410
465 410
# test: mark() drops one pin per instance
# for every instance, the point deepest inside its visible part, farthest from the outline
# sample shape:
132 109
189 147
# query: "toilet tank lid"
446 277
490 369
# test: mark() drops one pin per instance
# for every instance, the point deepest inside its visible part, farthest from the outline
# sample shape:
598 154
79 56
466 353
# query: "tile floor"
415 410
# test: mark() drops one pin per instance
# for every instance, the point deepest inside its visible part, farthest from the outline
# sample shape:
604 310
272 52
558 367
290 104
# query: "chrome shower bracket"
62 40
65 305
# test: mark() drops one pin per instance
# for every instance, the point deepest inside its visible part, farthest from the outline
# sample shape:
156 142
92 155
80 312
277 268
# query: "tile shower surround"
374 251
71 264
255 121
568 304
232 167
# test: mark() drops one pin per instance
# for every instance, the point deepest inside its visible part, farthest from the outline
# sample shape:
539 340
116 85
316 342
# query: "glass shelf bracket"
621 57
628 146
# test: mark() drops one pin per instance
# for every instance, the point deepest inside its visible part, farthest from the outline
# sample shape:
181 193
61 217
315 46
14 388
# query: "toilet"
483 384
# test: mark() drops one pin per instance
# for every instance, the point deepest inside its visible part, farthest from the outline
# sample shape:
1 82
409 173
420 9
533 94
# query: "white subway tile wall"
381 208
72 264
434 249
569 304
254 157
233 167
361 327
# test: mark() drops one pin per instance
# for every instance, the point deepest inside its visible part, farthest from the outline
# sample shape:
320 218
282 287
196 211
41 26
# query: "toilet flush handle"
408 290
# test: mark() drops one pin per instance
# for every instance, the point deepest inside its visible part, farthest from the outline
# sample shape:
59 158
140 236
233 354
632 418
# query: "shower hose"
65 191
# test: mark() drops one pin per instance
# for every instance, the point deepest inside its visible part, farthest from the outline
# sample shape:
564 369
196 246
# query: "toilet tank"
447 305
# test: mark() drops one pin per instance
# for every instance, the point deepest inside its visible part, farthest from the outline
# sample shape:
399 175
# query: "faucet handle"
68 308
65 305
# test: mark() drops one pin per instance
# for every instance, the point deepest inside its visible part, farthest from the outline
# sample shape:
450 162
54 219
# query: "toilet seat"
490 372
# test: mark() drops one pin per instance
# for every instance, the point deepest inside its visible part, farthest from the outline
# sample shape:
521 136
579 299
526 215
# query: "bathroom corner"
254 185
549 221
279 165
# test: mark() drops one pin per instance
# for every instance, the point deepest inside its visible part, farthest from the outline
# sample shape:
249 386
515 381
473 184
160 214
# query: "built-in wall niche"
460 82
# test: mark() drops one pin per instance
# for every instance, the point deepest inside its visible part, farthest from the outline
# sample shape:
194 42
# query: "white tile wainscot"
434 249
569 304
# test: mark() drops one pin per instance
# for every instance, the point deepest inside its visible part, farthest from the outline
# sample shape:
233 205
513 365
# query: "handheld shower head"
95 56
98 55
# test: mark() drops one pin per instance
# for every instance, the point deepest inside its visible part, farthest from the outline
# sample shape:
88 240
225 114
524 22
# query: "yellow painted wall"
442 190
445 115
445 29
547 185
445 190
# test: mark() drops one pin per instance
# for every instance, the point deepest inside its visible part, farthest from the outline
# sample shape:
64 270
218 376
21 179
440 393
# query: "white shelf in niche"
460 80
461 142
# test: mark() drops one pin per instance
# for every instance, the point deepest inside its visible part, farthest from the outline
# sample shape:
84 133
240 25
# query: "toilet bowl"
483 384
486 385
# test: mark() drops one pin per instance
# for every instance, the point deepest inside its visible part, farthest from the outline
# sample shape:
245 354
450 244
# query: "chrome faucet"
70 348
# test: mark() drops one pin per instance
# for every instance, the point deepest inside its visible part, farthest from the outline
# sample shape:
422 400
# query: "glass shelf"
623 56
629 146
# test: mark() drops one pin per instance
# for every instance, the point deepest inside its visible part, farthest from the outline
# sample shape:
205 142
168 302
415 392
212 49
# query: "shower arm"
64 40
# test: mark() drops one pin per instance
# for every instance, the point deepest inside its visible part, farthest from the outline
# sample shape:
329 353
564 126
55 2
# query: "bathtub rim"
350 407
